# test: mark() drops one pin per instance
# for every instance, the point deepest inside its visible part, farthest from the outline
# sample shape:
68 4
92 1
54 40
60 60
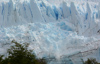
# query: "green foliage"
19 54
1 59
91 61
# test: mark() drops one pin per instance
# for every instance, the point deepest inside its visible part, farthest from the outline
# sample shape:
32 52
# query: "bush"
19 54
91 61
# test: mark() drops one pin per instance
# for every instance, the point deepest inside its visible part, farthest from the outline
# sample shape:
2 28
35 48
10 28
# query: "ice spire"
66 11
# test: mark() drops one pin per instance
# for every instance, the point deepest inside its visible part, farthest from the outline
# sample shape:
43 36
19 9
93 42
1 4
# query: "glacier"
62 31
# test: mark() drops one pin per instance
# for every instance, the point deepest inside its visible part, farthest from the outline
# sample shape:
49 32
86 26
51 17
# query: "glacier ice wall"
84 17
63 31
18 13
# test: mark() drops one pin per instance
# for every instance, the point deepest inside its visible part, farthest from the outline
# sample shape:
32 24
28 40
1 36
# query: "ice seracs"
66 31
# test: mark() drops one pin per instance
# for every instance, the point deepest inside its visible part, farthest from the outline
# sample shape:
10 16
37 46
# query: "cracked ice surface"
63 29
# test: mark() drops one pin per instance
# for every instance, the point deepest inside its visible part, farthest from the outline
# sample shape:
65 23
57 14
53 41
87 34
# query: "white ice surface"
54 28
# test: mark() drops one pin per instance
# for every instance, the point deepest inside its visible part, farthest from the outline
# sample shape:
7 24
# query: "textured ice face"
82 16
48 40
53 30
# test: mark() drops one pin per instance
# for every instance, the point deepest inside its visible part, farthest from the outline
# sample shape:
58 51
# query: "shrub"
91 61
19 54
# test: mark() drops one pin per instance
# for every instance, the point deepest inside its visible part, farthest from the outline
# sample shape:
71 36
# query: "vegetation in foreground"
19 54
91 61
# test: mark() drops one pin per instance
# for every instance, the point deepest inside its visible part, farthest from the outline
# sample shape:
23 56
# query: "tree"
19 54
91 61
1 56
